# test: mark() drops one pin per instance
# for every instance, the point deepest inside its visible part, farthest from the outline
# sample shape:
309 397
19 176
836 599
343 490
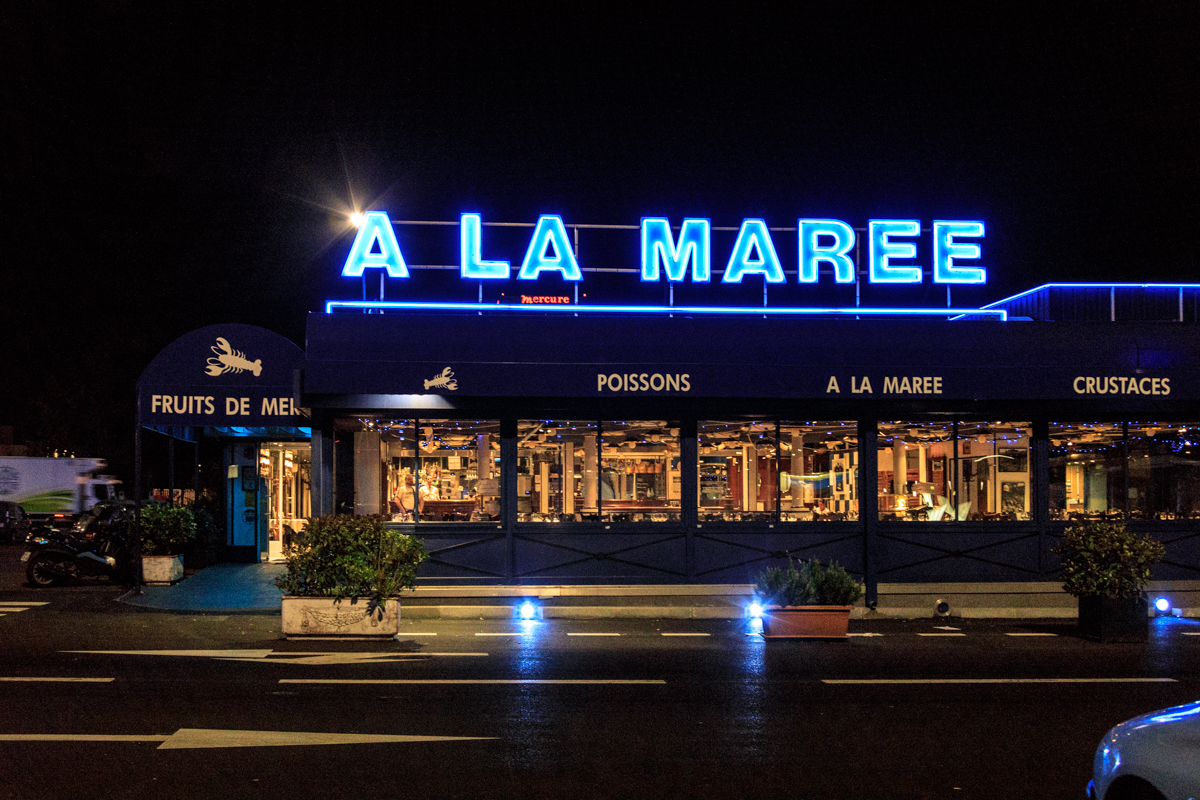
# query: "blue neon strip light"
1000 314
1095 286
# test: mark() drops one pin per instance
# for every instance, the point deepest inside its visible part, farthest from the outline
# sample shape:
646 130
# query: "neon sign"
821 241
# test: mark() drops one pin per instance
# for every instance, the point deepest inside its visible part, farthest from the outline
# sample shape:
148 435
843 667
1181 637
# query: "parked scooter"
99 544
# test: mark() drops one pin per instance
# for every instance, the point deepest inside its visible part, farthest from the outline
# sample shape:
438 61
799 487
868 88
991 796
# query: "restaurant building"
535 436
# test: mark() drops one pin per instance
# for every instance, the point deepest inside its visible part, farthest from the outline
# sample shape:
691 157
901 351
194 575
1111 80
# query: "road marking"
29 603
519 633
941 634
946 628
687 634
1191 633
864 634
195 738
480 681
1000 680
398 635
593 634
60 680
12 609
1031 634
295 657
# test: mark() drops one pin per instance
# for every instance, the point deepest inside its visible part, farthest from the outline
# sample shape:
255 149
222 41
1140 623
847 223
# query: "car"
1152 757
14 523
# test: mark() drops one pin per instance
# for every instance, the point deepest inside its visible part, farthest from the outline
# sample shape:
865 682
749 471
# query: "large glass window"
557 471
940 471
1164 470
438 470
737 470
819 471
639 471
1087 470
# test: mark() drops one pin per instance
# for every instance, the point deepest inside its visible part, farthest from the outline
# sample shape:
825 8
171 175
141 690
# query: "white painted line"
1031 634
1002 680
686 634
1191 633
941 634
398 635
22 603
500 634
593 634
13 609
59 680
479 681
947 628
864 634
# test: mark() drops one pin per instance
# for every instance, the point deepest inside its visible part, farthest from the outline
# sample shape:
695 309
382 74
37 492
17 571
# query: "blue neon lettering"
472 263
549 232
882 250
812 252
753 236
694 245
945 250
376 229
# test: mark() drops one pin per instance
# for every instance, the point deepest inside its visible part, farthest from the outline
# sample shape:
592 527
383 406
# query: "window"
438 470
557 471
639 471
737 470
1164 470
953 471
1087 470
819 471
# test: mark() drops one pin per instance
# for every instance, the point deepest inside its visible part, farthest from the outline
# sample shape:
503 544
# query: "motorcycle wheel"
40 572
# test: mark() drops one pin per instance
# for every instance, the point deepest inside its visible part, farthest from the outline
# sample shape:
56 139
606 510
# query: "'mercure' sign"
827 242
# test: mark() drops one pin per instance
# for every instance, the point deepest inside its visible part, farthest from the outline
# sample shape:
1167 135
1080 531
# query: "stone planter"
1104 619
162 570
806 622
353 616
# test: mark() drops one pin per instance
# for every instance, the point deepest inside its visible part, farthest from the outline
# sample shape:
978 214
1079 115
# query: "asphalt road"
542 710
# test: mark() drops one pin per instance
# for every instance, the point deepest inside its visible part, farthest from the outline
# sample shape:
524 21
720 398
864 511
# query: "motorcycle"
99 544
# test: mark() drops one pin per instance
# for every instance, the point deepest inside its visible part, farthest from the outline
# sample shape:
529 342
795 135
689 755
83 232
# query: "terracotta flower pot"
806 622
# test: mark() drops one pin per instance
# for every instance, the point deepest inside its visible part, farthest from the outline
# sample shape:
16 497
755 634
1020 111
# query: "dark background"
169 168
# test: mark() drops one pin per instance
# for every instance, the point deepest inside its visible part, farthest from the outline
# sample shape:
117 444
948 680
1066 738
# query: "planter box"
354 616
806 622
1103 619
162 570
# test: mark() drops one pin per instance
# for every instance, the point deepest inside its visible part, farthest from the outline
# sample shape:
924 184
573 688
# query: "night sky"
170 168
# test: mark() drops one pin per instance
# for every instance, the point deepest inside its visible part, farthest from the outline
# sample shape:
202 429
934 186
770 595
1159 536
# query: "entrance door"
286 469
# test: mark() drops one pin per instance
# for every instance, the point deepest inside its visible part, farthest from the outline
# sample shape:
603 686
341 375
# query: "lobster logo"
444 380
230 360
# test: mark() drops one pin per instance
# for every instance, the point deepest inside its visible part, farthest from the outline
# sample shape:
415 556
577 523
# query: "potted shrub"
345 575
167 530
807 601
1107 568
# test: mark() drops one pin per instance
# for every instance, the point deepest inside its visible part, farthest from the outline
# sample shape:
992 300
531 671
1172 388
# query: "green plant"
809 585
343 556
167 530
1103 559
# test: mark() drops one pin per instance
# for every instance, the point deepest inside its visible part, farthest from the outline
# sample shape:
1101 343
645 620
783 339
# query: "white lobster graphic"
445 379
230 360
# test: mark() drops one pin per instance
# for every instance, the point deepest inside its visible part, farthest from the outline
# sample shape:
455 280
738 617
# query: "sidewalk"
222 587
